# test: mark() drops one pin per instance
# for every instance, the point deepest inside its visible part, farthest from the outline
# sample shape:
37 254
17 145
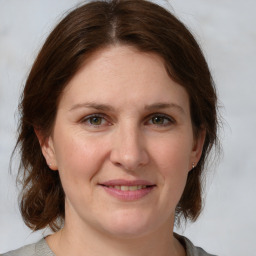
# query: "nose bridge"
128 148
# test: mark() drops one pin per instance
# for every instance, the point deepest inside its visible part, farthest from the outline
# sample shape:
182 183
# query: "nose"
128 148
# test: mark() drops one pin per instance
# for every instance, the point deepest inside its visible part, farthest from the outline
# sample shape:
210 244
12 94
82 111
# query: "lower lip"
128 195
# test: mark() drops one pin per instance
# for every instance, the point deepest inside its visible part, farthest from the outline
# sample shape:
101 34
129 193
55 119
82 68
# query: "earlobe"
47 148
198 147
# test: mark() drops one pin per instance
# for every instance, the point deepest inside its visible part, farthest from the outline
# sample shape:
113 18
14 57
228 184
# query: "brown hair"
139 23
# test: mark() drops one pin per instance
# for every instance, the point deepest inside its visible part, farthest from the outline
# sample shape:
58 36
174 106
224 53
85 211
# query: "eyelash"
167 118
170 120
88 118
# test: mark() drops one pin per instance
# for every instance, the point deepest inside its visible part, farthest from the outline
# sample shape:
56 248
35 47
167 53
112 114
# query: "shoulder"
191 249
37 249
28 250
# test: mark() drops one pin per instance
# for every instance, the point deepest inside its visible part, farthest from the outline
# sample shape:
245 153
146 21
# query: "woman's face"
123 144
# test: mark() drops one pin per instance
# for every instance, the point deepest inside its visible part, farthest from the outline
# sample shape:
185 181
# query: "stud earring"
193 165
53 167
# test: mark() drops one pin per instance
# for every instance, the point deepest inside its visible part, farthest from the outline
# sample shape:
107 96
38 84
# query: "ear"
197 147
47 149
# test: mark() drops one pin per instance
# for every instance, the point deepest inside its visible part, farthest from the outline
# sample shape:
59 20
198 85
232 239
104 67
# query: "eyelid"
168 117
103 116
108 122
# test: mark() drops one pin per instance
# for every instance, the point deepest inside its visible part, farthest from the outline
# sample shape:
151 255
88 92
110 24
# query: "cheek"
172 159
78 158
79 161
172 155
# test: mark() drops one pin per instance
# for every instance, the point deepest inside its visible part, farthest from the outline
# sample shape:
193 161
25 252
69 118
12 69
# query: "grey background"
226 30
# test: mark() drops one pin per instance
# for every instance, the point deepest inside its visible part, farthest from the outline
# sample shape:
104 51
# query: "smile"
128 188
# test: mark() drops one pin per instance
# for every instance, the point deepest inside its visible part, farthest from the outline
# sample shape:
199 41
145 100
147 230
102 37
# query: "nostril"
128 152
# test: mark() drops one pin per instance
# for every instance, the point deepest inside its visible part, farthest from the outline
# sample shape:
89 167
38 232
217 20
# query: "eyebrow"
102 107
107 107
160 105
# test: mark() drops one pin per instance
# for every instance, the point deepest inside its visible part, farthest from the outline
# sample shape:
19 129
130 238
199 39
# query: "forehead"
122 75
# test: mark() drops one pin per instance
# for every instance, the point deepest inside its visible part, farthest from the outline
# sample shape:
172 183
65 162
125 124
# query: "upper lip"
121 182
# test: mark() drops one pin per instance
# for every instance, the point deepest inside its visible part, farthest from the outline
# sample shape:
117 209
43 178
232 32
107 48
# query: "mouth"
128 190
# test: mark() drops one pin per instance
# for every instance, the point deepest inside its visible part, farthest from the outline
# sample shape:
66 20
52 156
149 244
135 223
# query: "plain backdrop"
226 31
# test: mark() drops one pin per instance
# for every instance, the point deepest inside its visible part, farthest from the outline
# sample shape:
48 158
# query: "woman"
118 116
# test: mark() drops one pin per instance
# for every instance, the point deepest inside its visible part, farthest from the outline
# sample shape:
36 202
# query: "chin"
129 225
126 232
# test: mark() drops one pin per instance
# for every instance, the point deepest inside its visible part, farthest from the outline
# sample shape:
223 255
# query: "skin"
142 131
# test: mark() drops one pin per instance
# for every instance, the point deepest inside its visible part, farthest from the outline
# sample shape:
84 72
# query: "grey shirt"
41 248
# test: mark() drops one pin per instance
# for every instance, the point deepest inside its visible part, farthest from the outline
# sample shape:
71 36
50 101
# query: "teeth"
130 188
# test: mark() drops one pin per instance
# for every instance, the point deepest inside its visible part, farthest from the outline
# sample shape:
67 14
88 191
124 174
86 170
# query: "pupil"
95 120
158 120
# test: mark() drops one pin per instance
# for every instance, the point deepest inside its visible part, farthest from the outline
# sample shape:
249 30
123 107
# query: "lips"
126 190
120 182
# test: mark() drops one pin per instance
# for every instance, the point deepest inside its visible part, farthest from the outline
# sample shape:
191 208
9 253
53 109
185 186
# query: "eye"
160 120
95 120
